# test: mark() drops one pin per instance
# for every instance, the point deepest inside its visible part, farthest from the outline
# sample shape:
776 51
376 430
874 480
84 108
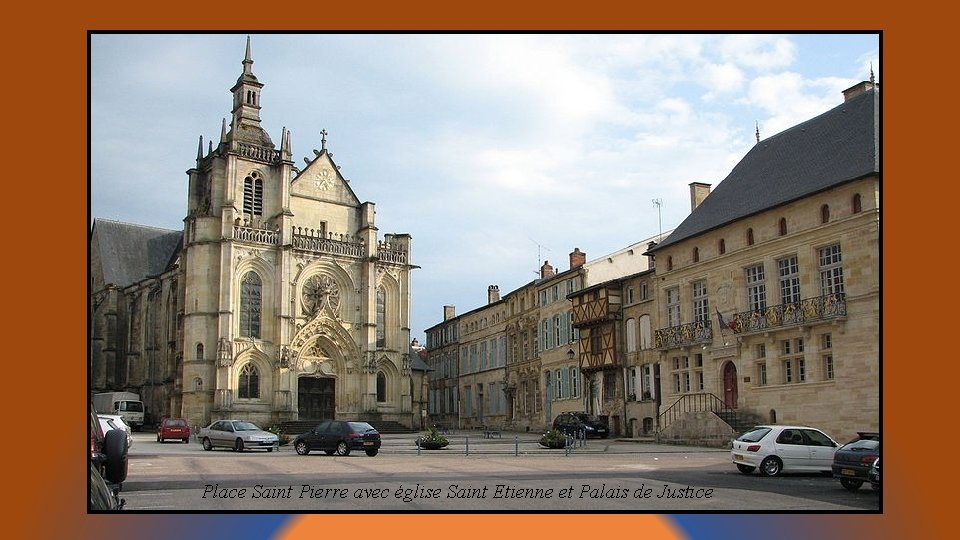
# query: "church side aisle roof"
129 253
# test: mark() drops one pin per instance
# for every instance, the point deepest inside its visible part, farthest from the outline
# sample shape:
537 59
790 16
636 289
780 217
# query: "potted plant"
554 439
278 431
432 440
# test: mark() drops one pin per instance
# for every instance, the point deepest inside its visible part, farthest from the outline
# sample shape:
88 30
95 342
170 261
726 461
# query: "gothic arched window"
381 387
857 205
824 213
248 386
250 305
253 194
381 317
199 351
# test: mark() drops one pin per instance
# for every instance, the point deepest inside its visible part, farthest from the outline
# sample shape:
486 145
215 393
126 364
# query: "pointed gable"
321 180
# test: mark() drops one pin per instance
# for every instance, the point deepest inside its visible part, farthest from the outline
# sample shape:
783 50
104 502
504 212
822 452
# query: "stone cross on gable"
323 139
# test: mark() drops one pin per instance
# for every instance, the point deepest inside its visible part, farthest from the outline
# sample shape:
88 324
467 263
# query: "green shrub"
553 439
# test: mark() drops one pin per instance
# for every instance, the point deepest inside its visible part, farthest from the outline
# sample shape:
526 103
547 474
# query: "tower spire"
200 150
245 122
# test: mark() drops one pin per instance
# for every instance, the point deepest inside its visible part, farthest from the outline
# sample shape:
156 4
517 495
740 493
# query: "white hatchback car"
775 449
115 421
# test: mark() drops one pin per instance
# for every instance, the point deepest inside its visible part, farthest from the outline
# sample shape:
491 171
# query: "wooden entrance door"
730 385
316 398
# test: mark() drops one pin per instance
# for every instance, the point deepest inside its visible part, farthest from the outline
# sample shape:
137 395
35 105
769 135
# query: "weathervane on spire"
758 131
323 139
872 80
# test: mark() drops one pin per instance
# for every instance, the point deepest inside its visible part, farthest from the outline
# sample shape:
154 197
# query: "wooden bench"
490 431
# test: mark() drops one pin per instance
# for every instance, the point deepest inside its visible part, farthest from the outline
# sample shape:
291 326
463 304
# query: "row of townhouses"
763 305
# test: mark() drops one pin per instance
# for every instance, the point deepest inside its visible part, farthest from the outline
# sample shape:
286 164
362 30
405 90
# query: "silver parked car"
237 435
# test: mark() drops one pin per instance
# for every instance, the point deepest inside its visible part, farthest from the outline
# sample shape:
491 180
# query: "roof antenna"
540 248
658 203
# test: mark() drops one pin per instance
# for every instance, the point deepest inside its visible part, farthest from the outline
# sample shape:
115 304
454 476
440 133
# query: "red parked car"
173 428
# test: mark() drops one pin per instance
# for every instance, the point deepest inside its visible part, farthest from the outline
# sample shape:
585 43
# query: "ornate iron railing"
810 309
687 403
684 334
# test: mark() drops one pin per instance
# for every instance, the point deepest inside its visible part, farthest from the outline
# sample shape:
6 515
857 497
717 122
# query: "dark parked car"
852 462
580 424
339 437
874 475
108 466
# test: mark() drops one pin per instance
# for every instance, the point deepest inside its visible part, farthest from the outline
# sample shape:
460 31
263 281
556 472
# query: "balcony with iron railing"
684 335
806 311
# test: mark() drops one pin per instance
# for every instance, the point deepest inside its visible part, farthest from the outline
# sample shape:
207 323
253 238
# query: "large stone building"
769 292
278 300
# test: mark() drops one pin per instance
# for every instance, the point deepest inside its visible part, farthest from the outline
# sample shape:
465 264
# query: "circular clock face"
324 179
319 292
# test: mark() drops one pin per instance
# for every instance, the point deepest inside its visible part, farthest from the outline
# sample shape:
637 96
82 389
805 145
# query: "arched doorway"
316 398
730 385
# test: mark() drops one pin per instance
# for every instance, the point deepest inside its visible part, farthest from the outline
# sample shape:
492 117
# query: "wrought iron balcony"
807 310
684 335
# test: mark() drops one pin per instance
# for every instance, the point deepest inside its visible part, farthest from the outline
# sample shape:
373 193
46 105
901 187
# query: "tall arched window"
856 204
722 246
250 305
199 351
825 213
381 317
783 226
696 254
253 194
670 263
749 237
248 385
381 387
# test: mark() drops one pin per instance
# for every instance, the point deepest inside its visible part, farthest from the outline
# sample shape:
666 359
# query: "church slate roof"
839 146
130 253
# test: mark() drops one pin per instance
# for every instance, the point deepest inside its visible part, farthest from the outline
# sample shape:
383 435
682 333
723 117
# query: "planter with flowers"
554 439
432 440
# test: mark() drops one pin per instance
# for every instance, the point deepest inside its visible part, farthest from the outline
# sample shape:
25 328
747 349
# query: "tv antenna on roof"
658 203
540 248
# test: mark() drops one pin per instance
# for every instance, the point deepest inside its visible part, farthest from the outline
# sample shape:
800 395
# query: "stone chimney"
493 294
546 270
577 258
651 261
698 192
449 312
858 89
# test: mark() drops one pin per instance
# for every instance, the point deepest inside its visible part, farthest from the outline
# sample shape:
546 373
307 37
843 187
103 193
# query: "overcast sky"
494 152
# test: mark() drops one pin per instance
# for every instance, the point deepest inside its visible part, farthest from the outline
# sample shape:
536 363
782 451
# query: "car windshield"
754 435
245 426
588 418
131 406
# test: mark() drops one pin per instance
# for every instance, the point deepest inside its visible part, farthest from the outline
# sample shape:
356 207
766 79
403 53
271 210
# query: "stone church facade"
278 301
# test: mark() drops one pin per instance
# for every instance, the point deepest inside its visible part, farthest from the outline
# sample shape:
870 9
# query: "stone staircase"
738 420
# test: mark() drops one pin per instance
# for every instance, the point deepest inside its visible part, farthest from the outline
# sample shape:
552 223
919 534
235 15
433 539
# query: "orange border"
46 97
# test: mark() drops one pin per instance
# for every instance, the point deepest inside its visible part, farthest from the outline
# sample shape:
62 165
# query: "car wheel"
372 453
238 446
159 439
301 448
207 445
269 450
771 466
745 469
186 441
343 449
876 487
851 485
115 447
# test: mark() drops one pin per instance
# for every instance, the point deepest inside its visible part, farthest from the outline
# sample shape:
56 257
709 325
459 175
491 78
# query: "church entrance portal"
316 398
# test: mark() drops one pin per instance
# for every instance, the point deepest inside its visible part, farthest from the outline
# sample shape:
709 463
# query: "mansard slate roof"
839 146
130 253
